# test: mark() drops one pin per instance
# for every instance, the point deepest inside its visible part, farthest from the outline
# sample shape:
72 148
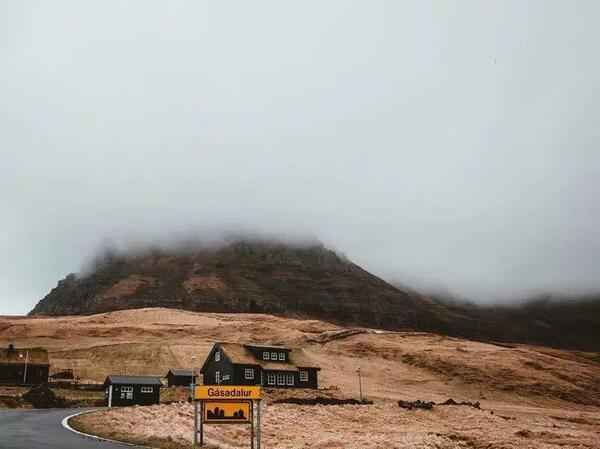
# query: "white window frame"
270 379
290 379
282 356
217 356
280 379
217 377
303 376
147 390
273 356
266 355
127 392
249 373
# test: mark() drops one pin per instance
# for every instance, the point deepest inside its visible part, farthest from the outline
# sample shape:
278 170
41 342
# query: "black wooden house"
23 366
267 365
180 377
132 390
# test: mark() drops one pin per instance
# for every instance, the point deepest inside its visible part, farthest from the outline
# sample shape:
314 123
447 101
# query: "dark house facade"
23 366
132 390
181 377
265 365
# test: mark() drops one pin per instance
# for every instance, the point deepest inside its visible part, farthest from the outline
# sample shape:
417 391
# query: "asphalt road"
42 429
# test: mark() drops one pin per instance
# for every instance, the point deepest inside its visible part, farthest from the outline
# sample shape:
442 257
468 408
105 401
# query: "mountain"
308 281
245 276
551 320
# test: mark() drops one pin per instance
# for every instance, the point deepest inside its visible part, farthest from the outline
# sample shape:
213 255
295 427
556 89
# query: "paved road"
42 429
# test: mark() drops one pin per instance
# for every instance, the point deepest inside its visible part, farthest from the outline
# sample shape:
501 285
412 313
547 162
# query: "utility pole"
25 371
360 384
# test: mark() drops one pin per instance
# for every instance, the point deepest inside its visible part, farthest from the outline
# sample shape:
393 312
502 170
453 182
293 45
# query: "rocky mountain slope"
256 277
308 281
552 320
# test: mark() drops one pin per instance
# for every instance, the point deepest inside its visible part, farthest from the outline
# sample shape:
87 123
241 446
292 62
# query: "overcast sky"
448 145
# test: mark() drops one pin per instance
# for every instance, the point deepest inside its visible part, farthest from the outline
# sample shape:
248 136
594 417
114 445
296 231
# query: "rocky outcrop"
244 276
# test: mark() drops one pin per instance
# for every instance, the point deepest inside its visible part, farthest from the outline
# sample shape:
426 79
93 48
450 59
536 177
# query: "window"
303 376
271 379
273 356
282 356
218 356
248 373
280 379
290 379
127 393
147 389
266 356
217 377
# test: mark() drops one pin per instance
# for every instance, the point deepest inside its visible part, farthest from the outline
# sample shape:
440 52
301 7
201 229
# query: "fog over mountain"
445 146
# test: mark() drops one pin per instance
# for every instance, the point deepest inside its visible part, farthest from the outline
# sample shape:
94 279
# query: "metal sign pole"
195 423
251 424
201 423
258 424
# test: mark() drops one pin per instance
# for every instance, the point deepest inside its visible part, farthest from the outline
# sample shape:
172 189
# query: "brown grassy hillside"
550 396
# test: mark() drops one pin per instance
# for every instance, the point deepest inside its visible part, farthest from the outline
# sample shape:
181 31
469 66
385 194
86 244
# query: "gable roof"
33 356
240 354
181 372
132 380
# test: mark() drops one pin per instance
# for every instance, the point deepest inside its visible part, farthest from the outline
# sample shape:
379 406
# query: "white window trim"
217 356
217 377
249 373
280 379
273 356
266 356
271 379
290 379
127 389
147 390
282 356
303 376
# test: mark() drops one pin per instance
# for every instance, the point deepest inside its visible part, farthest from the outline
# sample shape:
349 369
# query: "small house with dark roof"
132 390
180 377
266 365
23 366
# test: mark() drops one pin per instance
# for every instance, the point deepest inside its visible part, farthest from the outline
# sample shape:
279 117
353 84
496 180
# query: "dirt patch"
416 405
428 405
41 396
321 400
128 286
210 282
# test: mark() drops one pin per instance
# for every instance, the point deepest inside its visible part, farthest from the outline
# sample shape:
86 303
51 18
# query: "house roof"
33 356
132 380
181 372
284 348
240 354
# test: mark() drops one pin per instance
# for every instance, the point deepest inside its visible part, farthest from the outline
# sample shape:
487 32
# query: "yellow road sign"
204 392
226 412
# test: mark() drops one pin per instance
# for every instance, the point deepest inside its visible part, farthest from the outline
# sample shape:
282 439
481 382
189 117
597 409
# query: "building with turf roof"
23 366
270 366
180 377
